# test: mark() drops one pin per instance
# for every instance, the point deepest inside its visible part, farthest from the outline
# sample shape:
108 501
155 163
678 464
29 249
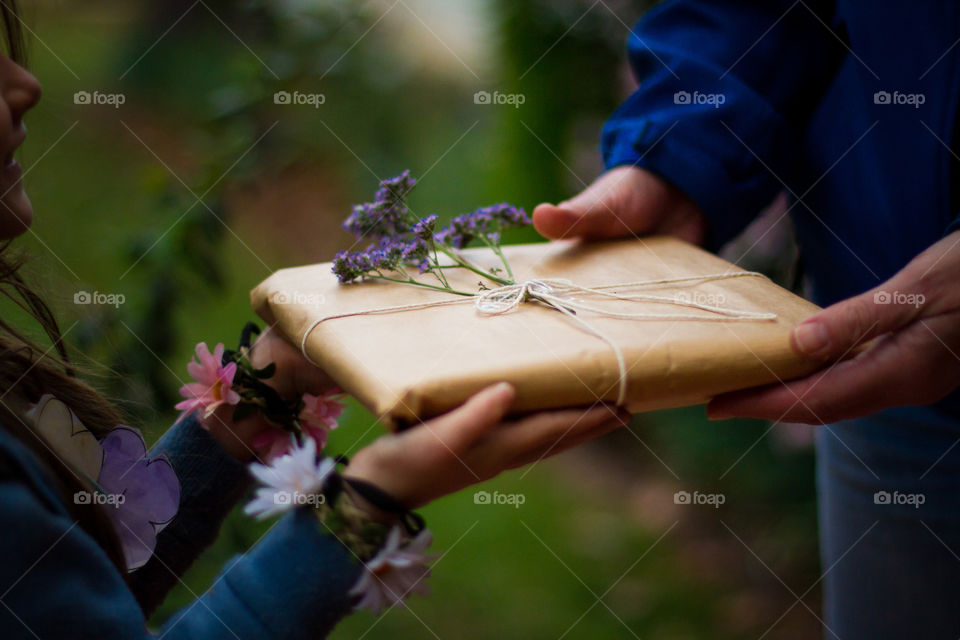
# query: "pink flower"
317 418
319 415
213 382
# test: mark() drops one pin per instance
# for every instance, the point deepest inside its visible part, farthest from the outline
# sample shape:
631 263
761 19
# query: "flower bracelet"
228 377
394 555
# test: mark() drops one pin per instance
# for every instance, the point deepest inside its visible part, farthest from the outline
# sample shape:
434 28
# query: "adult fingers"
837 329
909 367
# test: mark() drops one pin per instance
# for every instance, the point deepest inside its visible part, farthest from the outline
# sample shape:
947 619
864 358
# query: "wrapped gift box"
416 362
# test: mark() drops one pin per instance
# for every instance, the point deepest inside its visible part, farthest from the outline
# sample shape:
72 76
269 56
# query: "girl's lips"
10 174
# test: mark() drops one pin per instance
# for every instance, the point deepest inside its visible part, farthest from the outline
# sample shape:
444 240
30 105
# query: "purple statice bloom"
352 265
424 228
485 221
150 490
417 254
396 189
388 254
387 215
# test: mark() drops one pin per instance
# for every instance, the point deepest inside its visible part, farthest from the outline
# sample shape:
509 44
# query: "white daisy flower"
395 572
290 480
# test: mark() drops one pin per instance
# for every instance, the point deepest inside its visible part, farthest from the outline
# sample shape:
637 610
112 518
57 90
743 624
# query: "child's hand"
294 376
472 444
624 201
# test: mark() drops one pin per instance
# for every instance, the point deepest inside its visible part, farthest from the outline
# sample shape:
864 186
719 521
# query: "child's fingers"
545 430
483 411
565 442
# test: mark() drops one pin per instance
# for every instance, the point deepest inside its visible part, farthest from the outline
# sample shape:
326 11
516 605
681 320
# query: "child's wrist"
371 510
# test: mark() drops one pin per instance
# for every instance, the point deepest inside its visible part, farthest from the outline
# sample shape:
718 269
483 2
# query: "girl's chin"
16 213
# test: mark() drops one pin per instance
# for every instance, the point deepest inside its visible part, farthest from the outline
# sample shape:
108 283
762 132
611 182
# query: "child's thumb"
484 410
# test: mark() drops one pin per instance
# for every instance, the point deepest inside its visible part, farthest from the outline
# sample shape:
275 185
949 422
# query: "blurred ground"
599 548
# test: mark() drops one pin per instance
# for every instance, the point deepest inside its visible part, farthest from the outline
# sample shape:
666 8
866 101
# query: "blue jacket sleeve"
211 484
725 85
57 583
954 226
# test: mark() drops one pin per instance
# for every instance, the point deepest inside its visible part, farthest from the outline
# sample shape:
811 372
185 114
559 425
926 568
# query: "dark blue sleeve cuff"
211 484
954 226
728 204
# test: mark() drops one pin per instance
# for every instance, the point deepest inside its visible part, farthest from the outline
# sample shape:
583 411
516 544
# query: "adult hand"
623 201
472 444
915 359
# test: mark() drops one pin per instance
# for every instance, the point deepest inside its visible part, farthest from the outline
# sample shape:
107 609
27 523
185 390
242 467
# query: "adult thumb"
613 206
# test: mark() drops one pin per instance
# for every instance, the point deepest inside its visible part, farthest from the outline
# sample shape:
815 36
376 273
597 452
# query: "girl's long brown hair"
28 371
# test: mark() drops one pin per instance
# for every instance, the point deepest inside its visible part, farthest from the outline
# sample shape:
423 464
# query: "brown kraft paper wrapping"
411 365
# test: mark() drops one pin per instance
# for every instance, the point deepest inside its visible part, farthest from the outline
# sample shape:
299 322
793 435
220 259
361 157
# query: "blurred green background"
199 185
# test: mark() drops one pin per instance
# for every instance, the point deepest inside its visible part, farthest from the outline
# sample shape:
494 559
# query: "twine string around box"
558 294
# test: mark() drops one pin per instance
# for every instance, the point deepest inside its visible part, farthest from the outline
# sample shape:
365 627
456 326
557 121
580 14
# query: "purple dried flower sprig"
404 241
388 214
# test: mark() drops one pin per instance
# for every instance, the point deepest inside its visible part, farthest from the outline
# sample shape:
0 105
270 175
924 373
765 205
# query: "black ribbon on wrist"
412 522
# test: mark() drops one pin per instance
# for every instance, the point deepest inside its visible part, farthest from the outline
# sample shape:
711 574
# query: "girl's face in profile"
19 92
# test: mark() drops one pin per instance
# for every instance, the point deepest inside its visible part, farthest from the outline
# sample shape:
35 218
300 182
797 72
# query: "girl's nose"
21 90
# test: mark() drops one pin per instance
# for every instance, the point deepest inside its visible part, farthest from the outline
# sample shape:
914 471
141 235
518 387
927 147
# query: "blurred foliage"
224 96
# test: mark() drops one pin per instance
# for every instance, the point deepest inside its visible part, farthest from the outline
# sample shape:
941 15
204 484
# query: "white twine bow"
562 295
